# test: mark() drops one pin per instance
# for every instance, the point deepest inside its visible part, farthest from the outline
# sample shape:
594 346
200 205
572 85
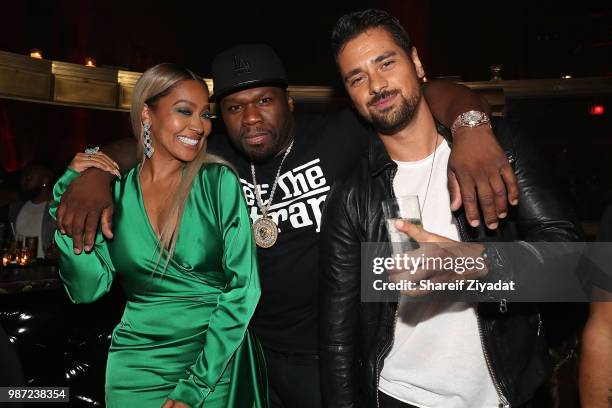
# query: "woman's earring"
148 143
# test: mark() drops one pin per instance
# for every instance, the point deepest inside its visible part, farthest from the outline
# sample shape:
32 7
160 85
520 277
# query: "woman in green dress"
184 254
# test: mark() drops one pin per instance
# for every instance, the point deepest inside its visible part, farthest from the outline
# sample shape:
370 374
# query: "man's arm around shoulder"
88 201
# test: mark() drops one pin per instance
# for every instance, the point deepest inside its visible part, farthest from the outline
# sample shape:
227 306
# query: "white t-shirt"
29 223
437 359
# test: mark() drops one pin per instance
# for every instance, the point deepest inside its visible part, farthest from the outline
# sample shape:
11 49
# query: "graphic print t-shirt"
325 146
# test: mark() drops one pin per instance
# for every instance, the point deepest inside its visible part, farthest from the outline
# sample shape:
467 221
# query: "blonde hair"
154 84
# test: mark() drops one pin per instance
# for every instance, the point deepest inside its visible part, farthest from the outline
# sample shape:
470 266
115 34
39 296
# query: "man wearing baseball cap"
287 163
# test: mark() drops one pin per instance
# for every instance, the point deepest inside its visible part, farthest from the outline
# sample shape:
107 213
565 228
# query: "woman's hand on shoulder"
84 161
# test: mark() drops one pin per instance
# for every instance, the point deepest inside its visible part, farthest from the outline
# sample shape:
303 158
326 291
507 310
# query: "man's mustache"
384 94
252 132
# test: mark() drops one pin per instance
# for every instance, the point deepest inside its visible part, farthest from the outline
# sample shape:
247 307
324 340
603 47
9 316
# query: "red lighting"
596 110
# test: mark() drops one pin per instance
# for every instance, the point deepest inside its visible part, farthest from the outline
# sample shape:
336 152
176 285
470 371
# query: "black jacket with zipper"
356 337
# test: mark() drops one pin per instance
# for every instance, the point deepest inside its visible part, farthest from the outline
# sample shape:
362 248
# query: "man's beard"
394 120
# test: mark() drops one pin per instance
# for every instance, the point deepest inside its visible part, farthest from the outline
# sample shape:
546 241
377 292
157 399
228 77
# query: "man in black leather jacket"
382 74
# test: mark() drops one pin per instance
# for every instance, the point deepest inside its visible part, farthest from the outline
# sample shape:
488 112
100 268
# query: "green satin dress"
183 334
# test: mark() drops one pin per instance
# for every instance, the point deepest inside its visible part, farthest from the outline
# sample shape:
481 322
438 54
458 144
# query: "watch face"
470 119
473 117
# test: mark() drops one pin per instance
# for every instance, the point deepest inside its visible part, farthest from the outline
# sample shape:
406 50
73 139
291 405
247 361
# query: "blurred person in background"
596 358
7 196
30 214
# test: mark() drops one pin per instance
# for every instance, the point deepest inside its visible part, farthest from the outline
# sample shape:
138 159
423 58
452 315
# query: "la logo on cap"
241 66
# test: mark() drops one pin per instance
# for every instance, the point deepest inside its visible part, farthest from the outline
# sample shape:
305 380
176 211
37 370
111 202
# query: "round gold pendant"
266 232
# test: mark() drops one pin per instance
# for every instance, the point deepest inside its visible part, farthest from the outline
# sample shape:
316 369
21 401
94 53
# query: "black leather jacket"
356 337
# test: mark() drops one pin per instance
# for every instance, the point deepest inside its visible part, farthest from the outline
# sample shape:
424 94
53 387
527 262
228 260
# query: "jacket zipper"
390 343
503 307
384 352
504 401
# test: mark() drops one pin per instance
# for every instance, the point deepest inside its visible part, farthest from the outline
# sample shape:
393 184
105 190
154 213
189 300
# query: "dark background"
530 39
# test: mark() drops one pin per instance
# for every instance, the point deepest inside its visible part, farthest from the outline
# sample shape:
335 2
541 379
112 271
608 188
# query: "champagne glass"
406 208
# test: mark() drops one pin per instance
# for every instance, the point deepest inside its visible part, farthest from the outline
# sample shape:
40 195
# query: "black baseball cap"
246 66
